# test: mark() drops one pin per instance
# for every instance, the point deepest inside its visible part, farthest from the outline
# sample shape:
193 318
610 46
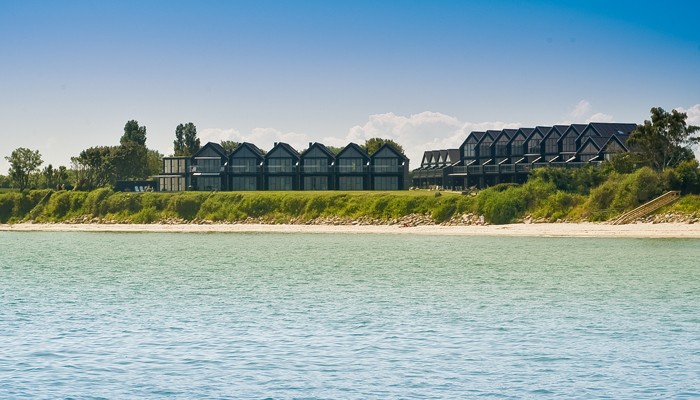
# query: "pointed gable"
388 151
352 150
427 159
283 150
317 150
209 150
247 150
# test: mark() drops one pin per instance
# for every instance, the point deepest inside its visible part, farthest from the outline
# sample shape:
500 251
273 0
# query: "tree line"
102 166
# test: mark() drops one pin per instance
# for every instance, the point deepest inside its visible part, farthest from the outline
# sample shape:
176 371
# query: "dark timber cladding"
492 157
283 168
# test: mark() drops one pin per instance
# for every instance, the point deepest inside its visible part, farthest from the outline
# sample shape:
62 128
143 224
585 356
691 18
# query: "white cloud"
416 133
599 117
693 119
582 108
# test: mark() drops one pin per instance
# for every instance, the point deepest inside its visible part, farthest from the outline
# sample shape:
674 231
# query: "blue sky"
424 73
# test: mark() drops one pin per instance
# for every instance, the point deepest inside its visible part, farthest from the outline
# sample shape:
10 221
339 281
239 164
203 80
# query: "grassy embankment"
584 195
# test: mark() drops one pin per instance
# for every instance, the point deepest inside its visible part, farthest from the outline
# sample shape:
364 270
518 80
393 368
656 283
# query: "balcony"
243 169
315 169
387 169
352 169
207 169
475 170
490 169
280 169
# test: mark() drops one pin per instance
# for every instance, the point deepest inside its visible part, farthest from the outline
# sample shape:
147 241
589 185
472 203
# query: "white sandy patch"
641 230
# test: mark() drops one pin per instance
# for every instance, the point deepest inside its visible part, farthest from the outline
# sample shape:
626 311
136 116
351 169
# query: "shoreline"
585 229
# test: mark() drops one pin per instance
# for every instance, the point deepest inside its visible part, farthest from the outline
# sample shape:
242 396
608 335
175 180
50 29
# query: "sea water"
154 315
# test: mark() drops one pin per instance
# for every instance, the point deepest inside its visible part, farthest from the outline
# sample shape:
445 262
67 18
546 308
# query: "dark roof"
321 147
578 127
607 129
392 148
560 128
215 146
250 146
454 156
289 149
527 132
543 129
355 146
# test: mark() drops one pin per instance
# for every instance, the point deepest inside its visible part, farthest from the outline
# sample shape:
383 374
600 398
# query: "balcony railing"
280 169
318 169
475 169
386 169
490 169
352 169
207 169
243 169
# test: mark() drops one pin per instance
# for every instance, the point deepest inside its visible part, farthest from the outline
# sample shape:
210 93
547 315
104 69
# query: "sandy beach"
639 230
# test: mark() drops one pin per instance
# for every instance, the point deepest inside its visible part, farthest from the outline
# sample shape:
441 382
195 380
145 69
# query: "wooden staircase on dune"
648 208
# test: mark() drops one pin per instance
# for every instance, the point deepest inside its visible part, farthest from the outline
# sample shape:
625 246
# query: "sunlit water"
107 315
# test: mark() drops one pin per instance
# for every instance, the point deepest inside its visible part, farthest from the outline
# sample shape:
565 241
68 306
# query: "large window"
312 165
244 183
280 165
315 183
174 165
502 147
569 144
588 153
516 147
551 146
386 183
533 145
350 183
208 183
350 165
280 183
172 184
207 165
485 148
469 150
386 165
244 165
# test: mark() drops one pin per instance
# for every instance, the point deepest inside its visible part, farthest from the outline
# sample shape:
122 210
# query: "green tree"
133 133
93 168
229 145
666 140
335 150
129 161
23 163
373 144
154 161
50 176
186 141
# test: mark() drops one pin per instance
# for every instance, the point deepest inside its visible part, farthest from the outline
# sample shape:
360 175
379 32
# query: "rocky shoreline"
411 220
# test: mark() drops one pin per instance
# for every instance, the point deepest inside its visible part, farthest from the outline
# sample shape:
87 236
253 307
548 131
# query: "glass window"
386 183
244 183
350 183
280 165
516 147
315 183
280 183
502 147
551 146
386 165
350 165
244 165
533 145
469 150
569 144
208 183
315 165
485 149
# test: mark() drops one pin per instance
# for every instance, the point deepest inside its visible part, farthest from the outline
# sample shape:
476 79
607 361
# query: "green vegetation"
588 194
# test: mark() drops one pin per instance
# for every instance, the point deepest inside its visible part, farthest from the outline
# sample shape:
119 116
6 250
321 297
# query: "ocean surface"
312 316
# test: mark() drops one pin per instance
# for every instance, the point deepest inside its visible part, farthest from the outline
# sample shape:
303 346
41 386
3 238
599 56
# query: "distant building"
283 168
492 157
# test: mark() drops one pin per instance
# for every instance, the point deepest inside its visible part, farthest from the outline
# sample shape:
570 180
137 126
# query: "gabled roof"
596 141
353 146
319 146
607 129
474 136
211 146
286 147
543 130
385 147
527 132
427 158
505 133
453 155
250 146
620 139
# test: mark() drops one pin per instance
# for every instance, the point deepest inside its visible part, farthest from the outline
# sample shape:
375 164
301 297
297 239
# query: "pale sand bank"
641 230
